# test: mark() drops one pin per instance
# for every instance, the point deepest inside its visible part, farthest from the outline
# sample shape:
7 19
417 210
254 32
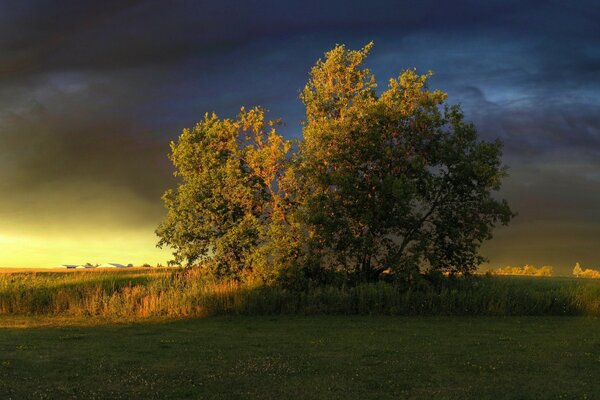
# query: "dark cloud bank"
91 92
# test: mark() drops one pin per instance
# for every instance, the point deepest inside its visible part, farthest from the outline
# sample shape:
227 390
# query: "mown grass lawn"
329 357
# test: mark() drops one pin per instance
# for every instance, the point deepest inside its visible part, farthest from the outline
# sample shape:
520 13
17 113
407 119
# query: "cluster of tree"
386 183
527 270
585 273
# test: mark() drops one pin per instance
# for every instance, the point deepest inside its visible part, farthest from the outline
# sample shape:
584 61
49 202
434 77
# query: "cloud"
92 92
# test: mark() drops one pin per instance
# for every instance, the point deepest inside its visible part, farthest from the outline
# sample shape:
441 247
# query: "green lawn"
306 358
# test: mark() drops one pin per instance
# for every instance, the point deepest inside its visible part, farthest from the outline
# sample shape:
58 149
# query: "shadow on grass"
306 357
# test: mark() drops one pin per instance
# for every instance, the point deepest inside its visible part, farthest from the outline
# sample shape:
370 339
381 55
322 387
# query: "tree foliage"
395 182
228 198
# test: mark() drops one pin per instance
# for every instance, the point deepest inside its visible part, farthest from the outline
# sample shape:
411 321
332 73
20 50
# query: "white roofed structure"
105 265
115 265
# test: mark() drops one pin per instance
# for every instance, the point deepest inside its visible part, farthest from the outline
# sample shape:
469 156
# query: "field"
160 333
144 293
318 357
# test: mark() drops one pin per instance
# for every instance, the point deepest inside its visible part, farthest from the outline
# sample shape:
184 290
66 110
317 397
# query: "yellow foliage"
526 270
585 273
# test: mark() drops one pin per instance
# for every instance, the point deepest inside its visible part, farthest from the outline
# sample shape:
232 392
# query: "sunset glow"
41 251
92 93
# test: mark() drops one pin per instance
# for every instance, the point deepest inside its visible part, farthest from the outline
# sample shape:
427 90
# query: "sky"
92 92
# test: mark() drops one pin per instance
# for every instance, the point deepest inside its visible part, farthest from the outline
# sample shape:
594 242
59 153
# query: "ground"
302 358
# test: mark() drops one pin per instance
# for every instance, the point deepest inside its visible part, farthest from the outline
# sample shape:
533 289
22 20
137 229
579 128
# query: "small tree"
577 271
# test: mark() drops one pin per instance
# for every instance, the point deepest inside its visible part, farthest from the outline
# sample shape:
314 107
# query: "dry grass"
125 295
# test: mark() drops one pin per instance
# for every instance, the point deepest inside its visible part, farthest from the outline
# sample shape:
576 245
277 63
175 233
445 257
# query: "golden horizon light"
39 251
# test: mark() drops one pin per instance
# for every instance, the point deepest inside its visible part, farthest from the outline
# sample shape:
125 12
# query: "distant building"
115 265
105 265
123 266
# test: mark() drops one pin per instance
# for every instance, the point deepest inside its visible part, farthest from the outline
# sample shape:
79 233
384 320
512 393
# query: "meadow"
314 357
174 333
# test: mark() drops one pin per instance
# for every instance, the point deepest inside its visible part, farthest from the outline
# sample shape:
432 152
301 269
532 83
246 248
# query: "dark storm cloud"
91 92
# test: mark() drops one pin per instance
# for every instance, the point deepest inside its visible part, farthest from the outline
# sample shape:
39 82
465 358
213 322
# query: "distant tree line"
386 184
526 270
585 273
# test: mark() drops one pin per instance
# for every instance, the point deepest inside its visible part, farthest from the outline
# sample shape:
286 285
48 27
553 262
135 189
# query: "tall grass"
186 293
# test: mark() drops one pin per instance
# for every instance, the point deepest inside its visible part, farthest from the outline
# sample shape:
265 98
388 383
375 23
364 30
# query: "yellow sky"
135 247
48 226
99 242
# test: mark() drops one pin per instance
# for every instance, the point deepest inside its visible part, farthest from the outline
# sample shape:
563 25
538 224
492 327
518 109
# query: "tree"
394 182
224 208
577 271
397 181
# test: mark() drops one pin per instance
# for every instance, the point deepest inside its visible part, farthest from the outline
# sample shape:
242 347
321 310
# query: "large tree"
396 181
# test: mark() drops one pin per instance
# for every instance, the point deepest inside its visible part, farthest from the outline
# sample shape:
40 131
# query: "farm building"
105 265
115 265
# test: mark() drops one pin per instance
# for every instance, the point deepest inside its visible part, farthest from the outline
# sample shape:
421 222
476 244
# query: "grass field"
148 293
318 357
119 334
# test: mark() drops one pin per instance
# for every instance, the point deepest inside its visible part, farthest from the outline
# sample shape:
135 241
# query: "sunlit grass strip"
118 294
